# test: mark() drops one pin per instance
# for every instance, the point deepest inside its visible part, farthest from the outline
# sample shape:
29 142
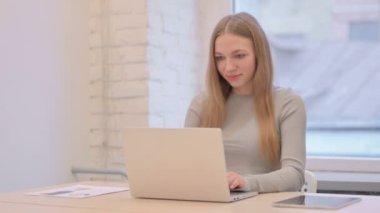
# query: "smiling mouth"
233 77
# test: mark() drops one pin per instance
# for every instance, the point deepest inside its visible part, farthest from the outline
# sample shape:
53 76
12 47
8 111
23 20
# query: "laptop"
179 164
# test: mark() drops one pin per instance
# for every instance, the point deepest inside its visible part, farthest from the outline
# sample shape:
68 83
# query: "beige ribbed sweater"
241 140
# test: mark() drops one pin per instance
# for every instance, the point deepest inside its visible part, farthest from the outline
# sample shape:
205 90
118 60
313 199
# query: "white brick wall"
147 61
173 56
119 75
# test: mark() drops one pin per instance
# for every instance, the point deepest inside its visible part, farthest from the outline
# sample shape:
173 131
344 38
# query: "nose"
230 65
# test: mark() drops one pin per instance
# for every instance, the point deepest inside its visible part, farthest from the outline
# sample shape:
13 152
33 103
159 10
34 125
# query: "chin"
235 85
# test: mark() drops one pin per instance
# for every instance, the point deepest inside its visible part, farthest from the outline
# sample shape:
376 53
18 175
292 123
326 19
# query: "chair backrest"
310 182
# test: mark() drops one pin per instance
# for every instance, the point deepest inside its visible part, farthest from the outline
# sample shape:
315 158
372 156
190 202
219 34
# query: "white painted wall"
52 52
43 91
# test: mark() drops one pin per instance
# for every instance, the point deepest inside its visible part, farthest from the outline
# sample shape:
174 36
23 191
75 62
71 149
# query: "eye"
240 55
219 58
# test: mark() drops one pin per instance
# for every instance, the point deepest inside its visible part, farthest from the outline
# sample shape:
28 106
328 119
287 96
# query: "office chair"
310 184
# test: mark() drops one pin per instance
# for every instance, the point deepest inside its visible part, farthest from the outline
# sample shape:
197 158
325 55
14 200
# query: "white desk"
123 202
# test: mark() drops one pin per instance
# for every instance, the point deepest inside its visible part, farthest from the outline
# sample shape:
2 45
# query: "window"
317 53
364 31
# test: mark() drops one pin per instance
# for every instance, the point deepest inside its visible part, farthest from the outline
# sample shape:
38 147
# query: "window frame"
338 164
343 164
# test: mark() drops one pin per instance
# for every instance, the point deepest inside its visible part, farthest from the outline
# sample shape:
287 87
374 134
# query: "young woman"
263 126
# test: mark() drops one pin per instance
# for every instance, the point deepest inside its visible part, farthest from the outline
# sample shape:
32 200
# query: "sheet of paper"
79 191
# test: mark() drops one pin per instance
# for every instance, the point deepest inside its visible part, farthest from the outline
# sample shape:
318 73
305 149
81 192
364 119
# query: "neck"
242 91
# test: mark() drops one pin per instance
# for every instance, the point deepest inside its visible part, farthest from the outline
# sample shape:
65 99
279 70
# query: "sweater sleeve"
292 128
194 112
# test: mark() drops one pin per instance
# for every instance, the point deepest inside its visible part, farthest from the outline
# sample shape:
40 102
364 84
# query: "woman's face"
235 61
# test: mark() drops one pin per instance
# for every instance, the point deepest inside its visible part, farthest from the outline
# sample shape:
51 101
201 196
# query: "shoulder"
194 112
199 98
284 96
288 102
197 101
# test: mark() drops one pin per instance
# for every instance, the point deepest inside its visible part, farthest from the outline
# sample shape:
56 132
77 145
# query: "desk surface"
19 207
123 202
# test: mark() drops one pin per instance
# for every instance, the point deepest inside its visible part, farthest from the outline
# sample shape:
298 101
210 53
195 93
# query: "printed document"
79 191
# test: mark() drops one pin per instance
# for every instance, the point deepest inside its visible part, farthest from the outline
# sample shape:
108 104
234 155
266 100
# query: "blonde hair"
213 115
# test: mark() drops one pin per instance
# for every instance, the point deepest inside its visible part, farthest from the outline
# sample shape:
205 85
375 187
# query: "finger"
234 181
231 177
231 180
230 174
235 184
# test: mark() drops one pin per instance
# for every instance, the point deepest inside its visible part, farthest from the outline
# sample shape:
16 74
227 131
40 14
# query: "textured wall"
147 61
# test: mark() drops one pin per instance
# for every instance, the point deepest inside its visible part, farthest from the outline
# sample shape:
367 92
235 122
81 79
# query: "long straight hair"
213 114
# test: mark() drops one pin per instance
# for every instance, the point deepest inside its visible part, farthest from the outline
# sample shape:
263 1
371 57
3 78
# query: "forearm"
285 179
